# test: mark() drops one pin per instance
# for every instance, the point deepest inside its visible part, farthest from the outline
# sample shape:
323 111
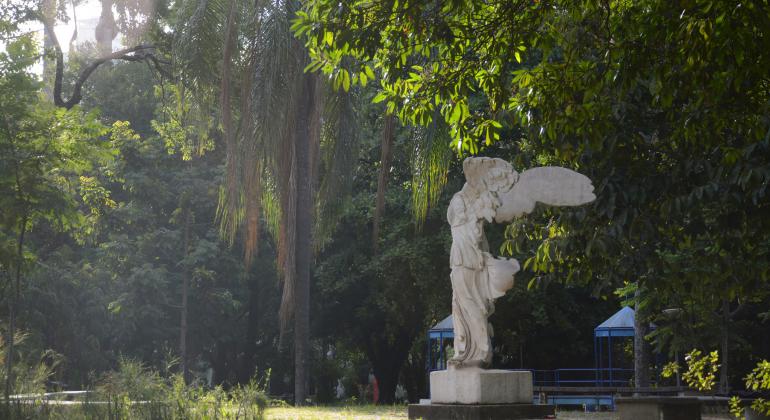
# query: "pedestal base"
479 411
480 386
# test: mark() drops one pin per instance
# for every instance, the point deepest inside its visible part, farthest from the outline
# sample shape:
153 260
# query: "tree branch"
136 53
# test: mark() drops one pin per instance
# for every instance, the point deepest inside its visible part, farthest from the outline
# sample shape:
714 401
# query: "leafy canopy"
48 156
665 105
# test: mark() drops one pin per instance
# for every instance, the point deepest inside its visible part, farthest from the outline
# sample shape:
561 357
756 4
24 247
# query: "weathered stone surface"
480 386
494 191
551 185
658 408
479 411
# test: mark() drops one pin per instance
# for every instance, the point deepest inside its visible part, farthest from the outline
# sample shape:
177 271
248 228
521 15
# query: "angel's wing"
551 185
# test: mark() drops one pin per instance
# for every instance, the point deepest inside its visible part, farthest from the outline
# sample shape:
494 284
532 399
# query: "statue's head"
491 174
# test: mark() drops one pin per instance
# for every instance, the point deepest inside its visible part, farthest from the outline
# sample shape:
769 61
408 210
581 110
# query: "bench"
658 408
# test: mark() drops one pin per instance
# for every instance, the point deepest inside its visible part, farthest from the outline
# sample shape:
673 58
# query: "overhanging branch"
136 53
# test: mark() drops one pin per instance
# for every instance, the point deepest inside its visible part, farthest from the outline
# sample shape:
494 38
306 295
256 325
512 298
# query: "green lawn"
364 412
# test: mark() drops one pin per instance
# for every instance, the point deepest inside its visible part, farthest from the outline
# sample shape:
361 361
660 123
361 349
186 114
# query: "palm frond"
230 210
276 89
430 166
338 152
263 67
199 40
271 206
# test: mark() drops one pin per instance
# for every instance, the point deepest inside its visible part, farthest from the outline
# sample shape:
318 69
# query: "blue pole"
610 355
430 354
596 364
442 356
601 365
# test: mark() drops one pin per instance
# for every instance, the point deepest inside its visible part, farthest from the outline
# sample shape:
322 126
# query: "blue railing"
582 377
589 402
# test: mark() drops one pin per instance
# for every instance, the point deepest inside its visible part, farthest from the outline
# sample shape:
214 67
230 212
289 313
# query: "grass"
362 412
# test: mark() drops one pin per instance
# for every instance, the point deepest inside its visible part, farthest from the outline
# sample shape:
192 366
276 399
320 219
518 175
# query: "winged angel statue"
494 191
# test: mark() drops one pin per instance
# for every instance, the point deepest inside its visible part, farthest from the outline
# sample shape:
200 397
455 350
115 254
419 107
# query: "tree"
47 157
48 11
663 104
380 302
278 150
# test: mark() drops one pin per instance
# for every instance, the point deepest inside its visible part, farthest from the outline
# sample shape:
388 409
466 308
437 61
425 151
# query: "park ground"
399 412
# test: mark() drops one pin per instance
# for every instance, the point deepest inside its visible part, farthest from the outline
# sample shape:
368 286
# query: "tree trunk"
219 358
106 29
724 383
641 347
248 366
415 377
304 238
387 380
387 359
9 350
183 320
48 10
388 134
13 309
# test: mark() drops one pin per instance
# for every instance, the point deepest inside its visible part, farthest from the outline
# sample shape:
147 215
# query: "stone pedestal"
480 394
480 386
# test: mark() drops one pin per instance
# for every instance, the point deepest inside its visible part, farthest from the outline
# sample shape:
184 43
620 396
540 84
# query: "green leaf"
369 72
345 80
456 114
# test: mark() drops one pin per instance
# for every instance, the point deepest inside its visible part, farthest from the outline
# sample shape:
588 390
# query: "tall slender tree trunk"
641 347
183 316
12 311
414 377
724 383
304 239
388 134
10 349
106 29
247 367
387 359
48 10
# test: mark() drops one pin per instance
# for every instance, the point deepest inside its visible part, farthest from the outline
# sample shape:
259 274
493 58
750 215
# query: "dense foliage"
664 105
131 252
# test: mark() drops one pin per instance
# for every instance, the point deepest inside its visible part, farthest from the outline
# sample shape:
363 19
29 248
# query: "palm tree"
290 141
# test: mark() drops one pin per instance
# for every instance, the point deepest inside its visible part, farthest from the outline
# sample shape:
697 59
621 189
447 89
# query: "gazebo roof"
445 325
442 330
621 324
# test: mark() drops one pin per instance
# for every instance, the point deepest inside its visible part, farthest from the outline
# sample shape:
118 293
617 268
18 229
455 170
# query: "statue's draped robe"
494 191
472 299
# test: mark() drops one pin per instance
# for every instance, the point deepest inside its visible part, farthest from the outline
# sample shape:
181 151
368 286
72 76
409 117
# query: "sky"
87 17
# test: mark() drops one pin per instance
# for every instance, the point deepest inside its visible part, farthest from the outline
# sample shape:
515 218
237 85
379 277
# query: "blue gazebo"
439 337
619 325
